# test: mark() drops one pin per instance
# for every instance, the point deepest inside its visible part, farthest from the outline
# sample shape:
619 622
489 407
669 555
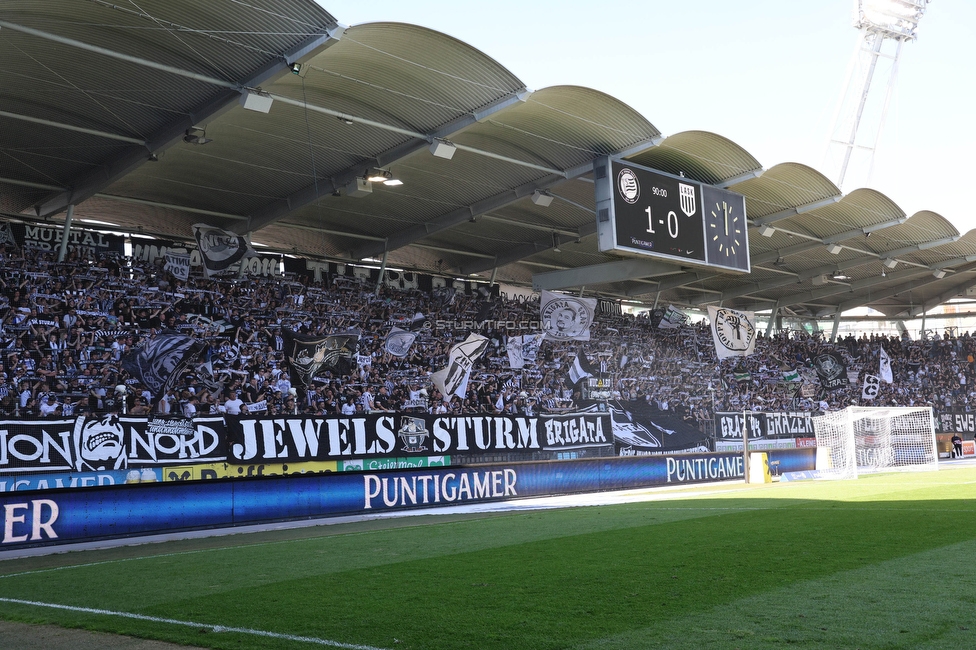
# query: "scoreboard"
642 212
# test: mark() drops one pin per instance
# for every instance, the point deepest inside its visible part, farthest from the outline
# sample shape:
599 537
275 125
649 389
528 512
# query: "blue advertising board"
63 516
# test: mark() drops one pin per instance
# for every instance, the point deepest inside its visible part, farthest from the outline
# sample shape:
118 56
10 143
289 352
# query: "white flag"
872 385
885 370
398 342
178 264
673 319
567 318
523 348
733 331
453 379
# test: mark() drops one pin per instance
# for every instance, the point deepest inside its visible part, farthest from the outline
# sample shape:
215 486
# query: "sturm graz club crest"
413 432
627 185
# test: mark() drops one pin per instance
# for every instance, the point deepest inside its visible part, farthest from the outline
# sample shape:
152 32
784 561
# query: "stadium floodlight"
895 18
382 176
884 26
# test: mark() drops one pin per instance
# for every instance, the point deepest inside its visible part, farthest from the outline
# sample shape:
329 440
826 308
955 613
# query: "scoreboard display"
642 212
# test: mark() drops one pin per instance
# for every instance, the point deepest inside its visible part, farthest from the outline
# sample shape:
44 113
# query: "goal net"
868 439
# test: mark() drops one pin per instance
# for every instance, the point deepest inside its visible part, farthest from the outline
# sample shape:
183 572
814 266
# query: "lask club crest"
687 195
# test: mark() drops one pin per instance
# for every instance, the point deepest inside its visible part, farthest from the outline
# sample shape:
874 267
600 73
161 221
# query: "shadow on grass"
551 579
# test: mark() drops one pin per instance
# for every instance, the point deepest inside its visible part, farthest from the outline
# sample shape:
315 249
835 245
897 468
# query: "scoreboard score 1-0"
642 212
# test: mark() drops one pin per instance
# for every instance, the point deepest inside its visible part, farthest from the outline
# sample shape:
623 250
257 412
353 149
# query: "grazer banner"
381 435
109 443
728 425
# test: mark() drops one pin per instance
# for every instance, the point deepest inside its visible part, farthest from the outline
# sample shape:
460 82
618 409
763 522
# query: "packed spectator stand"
66 326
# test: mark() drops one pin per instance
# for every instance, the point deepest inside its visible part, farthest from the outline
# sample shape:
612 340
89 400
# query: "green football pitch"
886 561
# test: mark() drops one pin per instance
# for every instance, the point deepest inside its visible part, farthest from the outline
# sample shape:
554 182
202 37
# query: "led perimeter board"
642 212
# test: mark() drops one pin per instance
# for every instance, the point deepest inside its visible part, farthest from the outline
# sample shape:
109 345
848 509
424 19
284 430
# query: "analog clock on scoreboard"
644 212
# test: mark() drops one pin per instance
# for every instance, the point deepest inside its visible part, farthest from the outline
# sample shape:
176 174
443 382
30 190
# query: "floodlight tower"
883 27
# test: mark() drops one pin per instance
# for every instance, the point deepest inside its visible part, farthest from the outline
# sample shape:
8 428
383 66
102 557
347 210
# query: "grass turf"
882 562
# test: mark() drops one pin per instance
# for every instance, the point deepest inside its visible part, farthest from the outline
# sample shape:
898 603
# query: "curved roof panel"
95 100
704 156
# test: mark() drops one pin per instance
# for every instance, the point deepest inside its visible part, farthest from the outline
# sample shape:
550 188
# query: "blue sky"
766 74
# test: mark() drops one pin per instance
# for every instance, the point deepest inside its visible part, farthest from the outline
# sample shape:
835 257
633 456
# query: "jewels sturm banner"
384 435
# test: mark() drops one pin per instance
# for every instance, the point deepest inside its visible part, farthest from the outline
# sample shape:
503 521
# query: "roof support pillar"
836 327
773 315
379 281
66 234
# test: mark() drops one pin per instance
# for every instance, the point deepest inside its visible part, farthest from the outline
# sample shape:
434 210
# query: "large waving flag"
453 379
523 348
309 355
832 370
178 263
580 369
220 249
673 318
567 318
733 331
399 341
885 370
156 363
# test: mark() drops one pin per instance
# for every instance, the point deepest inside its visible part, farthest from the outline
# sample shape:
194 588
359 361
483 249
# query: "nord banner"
109 443
294 439
764 425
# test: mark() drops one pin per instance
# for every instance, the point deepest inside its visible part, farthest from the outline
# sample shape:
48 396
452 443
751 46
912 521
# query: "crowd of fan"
66 326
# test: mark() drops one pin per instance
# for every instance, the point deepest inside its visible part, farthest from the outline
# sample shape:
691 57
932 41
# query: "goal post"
872 439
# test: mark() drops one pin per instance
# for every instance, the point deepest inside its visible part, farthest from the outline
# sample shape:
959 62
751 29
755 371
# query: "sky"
766 74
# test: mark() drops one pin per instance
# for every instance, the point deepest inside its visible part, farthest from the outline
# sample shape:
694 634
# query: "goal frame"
846 448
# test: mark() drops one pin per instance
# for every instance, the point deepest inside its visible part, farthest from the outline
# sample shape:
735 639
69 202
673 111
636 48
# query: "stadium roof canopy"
142 117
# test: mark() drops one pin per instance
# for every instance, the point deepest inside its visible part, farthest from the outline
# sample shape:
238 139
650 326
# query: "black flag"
832 370
161 359
308 355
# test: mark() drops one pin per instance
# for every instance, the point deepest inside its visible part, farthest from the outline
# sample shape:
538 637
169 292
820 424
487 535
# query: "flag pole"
745 447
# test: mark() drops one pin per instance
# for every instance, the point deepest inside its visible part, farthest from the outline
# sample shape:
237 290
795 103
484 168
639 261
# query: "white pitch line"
212 628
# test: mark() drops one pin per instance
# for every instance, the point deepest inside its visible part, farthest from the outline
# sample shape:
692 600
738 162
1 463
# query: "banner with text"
110 443
381 435
48 238
764 425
